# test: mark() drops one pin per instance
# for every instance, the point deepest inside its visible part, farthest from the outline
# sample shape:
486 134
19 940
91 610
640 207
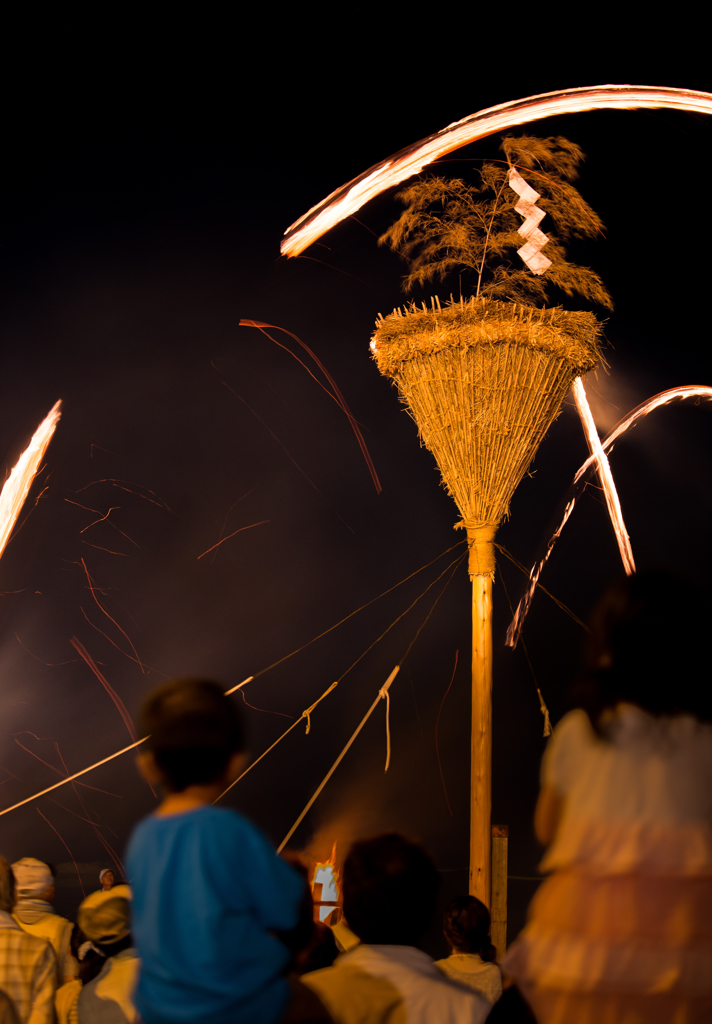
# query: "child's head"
467 927
646 645
194 732
390 888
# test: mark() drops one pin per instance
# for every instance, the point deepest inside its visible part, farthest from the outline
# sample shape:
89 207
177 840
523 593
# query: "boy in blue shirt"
208 889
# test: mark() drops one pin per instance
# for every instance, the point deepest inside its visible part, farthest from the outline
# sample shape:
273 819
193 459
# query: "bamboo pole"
482 574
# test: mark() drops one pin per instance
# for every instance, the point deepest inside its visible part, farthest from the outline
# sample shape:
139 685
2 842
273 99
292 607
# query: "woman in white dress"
621 931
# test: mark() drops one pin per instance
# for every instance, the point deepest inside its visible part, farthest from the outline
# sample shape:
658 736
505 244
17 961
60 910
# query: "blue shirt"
207 890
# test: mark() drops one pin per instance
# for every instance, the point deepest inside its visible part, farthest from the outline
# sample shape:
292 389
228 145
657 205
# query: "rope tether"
306 714
339 759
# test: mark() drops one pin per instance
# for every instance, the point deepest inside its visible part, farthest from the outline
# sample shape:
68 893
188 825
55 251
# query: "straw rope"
384 694
381 693
480 539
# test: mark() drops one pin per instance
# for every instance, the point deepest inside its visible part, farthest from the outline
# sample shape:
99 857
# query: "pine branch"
449 226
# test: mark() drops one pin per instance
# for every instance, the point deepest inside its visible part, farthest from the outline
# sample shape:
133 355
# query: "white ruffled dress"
621 932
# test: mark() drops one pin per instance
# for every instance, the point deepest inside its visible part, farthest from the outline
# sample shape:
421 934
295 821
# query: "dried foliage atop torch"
451 226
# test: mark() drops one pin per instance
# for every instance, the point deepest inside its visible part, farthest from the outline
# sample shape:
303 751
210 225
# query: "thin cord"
339 759
351 614
383 692
305 714
542 703
457 563
437 723
527 573
124 750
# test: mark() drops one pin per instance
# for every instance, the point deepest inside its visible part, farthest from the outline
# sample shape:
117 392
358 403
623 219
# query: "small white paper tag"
529 229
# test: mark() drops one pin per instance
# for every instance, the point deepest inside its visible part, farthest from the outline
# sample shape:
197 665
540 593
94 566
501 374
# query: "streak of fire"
326 891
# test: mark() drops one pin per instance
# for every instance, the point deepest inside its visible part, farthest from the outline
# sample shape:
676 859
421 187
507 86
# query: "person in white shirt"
467 928
390 890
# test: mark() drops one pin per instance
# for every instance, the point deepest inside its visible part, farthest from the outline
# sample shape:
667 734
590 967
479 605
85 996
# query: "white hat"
32 876
105 871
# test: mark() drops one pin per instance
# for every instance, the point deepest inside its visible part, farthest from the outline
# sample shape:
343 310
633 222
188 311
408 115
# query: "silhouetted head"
105 919
646 646
467 927
194 732
390 888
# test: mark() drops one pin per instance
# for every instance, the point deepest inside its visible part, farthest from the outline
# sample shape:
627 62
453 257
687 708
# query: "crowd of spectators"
214 928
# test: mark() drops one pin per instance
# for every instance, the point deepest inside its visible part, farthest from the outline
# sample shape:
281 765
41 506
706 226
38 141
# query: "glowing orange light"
604 475
348 199
663 398
325 888
18 484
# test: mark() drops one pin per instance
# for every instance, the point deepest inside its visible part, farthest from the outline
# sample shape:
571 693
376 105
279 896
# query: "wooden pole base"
498 909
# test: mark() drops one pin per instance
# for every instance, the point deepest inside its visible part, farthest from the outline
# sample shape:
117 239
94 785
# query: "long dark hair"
467 927
645 647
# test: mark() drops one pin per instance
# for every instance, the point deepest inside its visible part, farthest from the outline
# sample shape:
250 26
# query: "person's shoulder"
224 822
204 818
572 741
59 917
575 724
572 735
36 945
352 994
222 831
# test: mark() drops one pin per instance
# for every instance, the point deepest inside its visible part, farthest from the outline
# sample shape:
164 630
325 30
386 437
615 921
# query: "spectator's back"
28 966
35 914
209 891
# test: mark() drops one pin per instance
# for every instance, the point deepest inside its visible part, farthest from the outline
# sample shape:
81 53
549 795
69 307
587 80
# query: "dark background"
146 187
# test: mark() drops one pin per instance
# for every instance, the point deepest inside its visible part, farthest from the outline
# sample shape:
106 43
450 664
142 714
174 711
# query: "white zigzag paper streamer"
536 239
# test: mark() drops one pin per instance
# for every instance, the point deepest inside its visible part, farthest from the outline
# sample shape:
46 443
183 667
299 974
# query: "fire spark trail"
663 398
348 200
18 484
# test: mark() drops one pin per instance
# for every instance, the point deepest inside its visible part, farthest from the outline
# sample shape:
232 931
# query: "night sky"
143 204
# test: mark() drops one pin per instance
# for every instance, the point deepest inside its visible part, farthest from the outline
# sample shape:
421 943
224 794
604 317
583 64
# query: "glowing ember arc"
18 484
663 398
604 475
348 199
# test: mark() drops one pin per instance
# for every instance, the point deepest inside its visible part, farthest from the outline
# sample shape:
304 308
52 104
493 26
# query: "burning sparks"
120 706
348 199
334 394
663 398
18 484
604 475
325 890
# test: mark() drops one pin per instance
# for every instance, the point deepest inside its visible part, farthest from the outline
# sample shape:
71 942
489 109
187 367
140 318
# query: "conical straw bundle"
484 380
